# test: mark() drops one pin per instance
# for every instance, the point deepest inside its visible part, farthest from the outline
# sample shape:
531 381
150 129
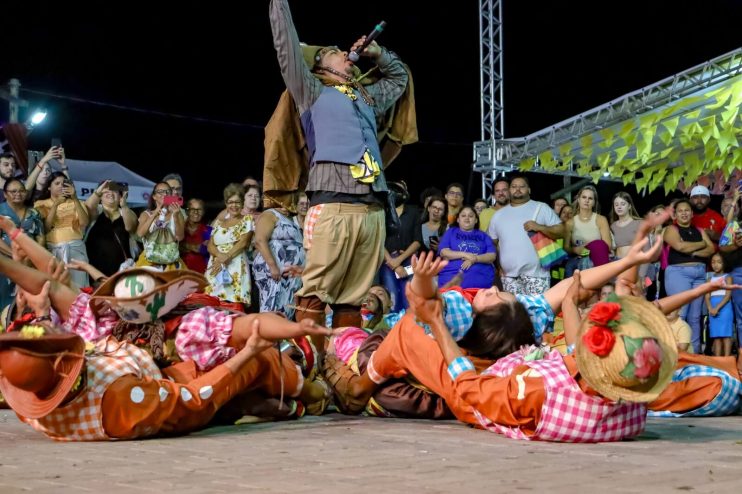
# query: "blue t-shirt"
475 242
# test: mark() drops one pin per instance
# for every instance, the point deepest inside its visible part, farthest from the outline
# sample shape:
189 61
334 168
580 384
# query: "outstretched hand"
427 265
428 310
255 342
652 221
719 284
58 271
577 293
40 302
311 328
638 256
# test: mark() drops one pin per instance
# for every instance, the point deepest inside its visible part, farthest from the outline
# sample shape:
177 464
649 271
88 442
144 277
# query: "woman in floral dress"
278 240
228 273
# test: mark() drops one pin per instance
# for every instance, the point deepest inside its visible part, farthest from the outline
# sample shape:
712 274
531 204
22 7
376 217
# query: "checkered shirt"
83 322
81 419
727 402
568 414
457 314
312 217
542 316
459 365
203 335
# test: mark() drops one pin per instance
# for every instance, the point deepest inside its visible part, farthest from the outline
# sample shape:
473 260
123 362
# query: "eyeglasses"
162 191
435 208
17 191
455 194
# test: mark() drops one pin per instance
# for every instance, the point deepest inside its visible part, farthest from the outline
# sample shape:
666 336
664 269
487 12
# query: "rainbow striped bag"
549 252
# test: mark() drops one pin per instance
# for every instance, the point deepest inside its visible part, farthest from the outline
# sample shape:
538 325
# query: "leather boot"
312 308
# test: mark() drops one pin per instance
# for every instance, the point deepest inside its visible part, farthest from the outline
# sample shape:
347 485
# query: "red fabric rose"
604 312
599 340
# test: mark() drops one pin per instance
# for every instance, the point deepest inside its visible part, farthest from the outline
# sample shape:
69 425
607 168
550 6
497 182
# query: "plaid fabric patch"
309 222
568 414
457 313
727 402
541 314
82 322
459 365
203 335
81 419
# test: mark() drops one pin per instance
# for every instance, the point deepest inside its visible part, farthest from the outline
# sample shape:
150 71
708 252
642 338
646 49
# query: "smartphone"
433 238
168 200
56 142
407 269
66 182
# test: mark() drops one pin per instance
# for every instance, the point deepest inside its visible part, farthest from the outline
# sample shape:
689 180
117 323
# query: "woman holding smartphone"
65 221
433 224
161 228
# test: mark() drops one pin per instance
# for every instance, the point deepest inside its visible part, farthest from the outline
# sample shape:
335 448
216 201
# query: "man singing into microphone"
344 228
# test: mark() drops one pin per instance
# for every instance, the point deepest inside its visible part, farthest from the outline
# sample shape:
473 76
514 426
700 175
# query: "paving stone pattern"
352 455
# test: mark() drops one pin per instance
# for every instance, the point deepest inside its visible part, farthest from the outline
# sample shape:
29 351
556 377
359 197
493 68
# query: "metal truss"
503 155
490 81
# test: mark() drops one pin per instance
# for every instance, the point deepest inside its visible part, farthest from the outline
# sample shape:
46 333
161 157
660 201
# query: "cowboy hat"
626 349
142 295
37 372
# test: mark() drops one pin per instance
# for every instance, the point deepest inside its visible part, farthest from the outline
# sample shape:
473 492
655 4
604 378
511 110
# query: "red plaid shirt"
203 335
568 414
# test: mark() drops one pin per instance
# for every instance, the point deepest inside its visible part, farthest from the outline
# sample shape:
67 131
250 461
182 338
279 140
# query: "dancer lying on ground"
489 324
116 391
518 396
141 300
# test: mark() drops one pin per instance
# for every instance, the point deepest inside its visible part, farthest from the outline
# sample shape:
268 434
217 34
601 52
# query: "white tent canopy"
88 174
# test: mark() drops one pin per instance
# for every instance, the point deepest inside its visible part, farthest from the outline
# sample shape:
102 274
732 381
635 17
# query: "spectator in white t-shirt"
521 270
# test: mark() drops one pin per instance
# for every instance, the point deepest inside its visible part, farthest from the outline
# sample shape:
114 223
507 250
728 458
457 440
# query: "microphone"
353 56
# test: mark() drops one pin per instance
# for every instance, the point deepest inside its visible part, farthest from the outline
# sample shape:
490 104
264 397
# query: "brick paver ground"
335 453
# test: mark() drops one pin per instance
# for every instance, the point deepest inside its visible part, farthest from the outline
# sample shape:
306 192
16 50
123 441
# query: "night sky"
216 61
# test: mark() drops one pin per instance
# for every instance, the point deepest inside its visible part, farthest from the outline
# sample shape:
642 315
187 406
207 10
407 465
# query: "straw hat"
37 371
626 349
142 295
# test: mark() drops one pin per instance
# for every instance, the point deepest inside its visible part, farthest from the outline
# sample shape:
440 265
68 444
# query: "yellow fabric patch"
366 171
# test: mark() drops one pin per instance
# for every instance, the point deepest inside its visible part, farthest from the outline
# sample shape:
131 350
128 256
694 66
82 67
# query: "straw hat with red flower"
626 349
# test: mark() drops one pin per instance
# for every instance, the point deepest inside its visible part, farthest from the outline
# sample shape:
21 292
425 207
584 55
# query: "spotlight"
38 117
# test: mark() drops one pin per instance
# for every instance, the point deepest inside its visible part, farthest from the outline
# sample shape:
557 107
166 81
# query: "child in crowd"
721 315
680 329
606 290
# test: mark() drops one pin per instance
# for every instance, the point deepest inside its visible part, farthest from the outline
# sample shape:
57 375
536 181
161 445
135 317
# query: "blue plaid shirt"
459 365
726 402
542 316
457 314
